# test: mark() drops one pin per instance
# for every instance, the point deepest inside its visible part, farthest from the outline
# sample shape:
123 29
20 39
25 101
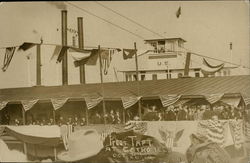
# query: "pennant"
129 101
178 12
208 69
213 98
89 58
168 100
128 53
58 102
91 102
3 104
9 52
26 45
28 104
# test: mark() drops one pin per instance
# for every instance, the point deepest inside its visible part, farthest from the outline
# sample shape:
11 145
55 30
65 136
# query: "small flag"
178 12
213 98
92 101
26 45
8 57
231 46
168 100
129 101
58 102
128 53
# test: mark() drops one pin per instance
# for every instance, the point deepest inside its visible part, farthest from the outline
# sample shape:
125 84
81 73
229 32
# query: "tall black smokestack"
64 43
81 46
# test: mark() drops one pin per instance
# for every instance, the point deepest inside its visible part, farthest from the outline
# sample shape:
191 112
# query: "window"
228 72
161 46
168 74
128 77
154 76
224 73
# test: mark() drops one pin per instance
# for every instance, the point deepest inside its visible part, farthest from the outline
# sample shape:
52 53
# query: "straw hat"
82 144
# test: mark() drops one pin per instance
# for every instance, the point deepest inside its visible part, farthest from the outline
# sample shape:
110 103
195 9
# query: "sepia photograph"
125 81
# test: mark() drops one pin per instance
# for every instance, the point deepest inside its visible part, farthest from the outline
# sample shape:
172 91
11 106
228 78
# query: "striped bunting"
92 101
3 104
167 100
213 98
28 104
58 102
213 130
236 130
246 130
246 100
136 126
129 101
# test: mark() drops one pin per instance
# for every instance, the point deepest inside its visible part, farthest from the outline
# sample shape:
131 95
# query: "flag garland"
128 53
91 102
213 98
129 101
28 104
9 52
3 104
58 102
168 100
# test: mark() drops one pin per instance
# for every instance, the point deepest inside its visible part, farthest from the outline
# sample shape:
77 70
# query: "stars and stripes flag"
213 130
9 52
28 104
168 100
58 102
128 53
236 131
129 101
66 131
213 98
92 101
246 129
246 100
106 58
3 104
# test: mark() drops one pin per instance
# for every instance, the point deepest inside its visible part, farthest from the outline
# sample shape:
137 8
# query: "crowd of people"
150 113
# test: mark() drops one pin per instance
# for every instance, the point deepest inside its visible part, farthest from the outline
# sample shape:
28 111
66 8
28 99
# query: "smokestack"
81 46
186 70
64 43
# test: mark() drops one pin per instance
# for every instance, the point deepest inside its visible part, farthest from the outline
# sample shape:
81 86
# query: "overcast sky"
208 27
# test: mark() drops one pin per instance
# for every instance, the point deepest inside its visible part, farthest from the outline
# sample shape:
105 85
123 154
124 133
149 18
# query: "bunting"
128 53
59 52
58 102
208 69
91 102
3 104
89 58
28 104
9 52
246 100
26 45
213 98
129 101
168 100
236 131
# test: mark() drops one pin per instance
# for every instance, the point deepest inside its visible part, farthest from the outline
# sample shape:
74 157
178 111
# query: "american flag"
246 100
129 101
28 104
246 130
213 98
106 56
92 101
167 100
58 102
136 126
8 57
213 130
236 130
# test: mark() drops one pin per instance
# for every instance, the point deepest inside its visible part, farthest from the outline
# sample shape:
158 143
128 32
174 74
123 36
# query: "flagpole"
103 102
137 79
